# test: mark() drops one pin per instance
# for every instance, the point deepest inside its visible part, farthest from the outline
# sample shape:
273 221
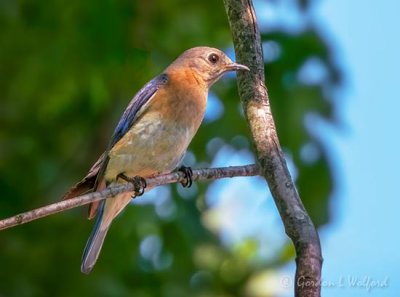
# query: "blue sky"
362 241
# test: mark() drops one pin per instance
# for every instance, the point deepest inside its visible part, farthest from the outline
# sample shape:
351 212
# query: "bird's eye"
213 58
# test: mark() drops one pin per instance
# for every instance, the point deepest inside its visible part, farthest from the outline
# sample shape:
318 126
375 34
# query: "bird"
152 136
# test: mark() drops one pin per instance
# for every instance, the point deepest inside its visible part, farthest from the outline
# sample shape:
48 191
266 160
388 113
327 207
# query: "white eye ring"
213 58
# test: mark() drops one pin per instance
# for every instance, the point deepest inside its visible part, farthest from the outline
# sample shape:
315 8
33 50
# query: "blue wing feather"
140 99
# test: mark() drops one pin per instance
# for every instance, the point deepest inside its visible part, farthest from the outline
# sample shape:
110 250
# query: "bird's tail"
95 241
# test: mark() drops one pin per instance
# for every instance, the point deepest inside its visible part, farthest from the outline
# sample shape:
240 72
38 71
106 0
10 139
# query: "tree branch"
198 174
255 101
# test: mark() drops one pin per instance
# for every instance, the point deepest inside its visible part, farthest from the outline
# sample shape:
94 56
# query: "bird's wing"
92 180
135 107
87 184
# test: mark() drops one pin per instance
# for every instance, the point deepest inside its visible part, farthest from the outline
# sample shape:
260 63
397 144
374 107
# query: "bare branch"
255 101
198 174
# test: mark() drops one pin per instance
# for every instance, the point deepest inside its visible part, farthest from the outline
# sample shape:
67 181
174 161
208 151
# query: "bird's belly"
150 147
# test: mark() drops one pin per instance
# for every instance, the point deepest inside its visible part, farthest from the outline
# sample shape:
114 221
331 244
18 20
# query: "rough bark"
254 97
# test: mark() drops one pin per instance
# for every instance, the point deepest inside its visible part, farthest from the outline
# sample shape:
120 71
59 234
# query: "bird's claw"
138 182
188 172
140 185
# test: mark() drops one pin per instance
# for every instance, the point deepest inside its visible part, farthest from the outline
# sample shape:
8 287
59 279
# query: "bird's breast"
159 138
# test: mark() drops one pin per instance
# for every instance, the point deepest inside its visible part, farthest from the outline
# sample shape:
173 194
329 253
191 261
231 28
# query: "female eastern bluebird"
152 135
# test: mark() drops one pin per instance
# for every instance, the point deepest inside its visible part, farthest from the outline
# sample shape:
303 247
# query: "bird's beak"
236 67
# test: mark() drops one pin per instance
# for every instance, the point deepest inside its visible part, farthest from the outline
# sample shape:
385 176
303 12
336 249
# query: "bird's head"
207 63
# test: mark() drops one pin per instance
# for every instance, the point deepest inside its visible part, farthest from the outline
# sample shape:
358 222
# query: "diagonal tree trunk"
255 101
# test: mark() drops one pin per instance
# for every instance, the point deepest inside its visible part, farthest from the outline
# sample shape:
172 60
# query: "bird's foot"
188 172
138 182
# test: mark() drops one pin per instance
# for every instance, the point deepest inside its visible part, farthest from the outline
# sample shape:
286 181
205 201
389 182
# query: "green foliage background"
67 71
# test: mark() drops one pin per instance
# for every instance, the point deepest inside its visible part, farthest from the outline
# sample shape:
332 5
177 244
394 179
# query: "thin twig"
255 101
198 174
